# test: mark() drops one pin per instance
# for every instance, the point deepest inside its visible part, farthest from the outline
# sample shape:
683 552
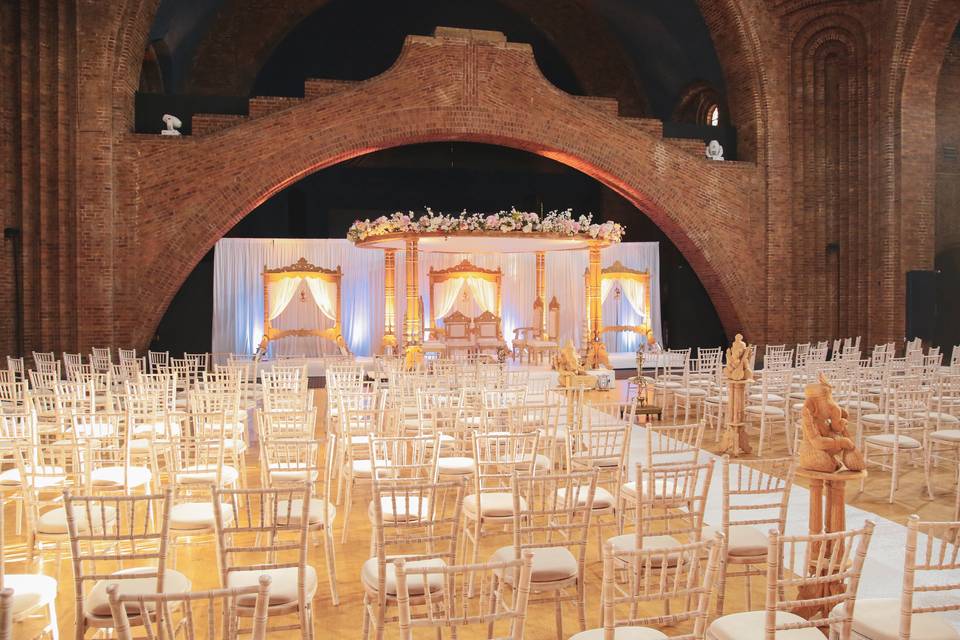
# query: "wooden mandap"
635 285
479 242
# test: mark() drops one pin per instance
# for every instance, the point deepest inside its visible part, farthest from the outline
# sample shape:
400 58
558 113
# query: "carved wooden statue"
827 445
738 361
597 357
571 372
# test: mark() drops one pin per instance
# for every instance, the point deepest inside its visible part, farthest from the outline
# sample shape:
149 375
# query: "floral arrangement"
512 221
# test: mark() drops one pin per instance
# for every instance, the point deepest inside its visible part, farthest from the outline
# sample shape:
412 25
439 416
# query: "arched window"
713 115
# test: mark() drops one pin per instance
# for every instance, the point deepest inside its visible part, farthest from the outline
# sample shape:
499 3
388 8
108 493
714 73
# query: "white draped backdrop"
238 293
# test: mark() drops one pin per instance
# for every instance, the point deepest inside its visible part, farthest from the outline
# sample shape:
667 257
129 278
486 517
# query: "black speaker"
921 304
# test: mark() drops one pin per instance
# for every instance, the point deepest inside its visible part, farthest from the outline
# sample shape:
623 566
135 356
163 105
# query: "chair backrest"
604 449
287 424
202 360
186 611
934 559
456 326
14 396
422 521
116 530
16 366
797 566
164 384
661 490
756 493
293 461
497 455
42 356
681 576
403 456
487 325
552 510
453 607
157 359
673 444
6 613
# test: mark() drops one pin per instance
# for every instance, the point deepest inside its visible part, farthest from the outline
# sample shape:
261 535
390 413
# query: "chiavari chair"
16 367
14 396
795 564
26 595
116 543
768 406
46 377
221 411
755 500
916 614
551 518
277 520
44 472
427 540
176 613
101 450
17 429
684 577
356 468
453 608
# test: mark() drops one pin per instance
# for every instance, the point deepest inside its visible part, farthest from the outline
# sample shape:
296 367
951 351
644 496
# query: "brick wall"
948 152
833 104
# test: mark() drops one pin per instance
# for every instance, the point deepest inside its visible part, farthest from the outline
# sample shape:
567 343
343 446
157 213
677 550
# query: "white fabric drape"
634 291
446 293
324 294
281 293
238 292
484 292
606 286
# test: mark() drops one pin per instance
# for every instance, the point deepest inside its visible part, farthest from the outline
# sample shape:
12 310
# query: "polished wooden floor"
197 559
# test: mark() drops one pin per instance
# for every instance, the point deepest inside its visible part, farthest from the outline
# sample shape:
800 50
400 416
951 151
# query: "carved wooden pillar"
389 298
593 292
412 327
540 305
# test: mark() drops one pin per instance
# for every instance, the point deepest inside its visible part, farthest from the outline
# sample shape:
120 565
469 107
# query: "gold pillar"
541 302
594 307
389 298
412 327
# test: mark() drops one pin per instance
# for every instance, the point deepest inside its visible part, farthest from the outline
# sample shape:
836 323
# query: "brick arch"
444 89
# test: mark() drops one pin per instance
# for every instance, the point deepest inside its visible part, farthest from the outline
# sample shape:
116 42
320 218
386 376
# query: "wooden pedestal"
828 514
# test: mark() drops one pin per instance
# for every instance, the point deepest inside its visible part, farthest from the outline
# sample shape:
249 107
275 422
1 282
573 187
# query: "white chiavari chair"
916 614
427 540
453 608
27 596
201 360
796 564
902 429
109 545
221 411
46 471
280 549
672 368
100 360
942 441
14 396
157 359
490 503
50 368
43 357
755 499
16 367
102 451
685 578
551 519
768 406
358 425
174 613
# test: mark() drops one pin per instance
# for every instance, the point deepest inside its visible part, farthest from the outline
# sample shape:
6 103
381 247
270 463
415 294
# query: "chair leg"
558 612
927 463
331 558
346 510
721 584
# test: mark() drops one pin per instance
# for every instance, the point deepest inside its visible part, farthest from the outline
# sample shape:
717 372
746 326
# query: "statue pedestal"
828 514
735 442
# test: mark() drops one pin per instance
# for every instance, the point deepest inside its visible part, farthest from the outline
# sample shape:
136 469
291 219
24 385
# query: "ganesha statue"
827 445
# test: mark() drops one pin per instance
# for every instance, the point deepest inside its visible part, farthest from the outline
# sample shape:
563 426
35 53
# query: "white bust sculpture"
173 123
714 150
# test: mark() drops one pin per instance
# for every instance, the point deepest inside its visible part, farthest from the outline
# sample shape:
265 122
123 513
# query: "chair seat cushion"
283 585
622 633
859 405
693 392
456 465
156 428
717 399
878 418
549 563
415 587
291 472
945 435
195 516
30 591
50 476
54 522
314 511
750 625
744 540
602 499
402 508
628 542
97 604
117 476
889 439
771 397
879 619
934 416
206 474
756 409
492 505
